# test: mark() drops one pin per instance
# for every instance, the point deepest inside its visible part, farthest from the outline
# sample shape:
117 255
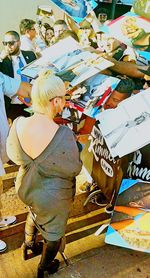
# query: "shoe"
51 269
10 162
31 251
54 265
85 187
88 187
7 221
109 209
3 246
100 200
94 187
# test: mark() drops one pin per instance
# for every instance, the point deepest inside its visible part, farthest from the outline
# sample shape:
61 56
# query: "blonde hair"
46 87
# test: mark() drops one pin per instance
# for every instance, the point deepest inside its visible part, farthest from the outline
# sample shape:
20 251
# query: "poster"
125 2
49 55
105 170
70 60
132 30
142 8
127 127
139 164
77 9
130 223
89 96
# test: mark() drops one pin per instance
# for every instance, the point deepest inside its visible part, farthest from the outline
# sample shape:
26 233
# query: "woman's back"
35 133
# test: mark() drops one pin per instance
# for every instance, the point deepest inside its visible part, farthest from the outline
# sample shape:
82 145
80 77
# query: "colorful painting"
130 222
50 55
67 59
90 96
77 9
132 30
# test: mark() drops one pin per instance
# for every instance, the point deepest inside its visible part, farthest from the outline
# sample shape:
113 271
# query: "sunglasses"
67 97
11 43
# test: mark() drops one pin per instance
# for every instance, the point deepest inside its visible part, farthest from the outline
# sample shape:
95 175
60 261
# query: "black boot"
47 262
32 250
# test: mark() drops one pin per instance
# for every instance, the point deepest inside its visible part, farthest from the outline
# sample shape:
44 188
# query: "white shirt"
8 87
27 44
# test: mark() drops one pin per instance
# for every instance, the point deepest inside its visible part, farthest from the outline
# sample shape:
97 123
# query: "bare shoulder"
21 121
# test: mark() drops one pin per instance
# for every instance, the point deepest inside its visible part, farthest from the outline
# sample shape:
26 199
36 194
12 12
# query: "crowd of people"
49 154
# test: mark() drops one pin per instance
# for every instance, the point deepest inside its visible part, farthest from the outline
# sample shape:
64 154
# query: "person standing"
9 87
12 59
49 159
28 34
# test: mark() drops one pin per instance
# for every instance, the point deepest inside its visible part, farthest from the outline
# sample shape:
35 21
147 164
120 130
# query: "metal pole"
113 8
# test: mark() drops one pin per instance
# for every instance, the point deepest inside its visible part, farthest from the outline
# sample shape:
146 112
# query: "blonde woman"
49 161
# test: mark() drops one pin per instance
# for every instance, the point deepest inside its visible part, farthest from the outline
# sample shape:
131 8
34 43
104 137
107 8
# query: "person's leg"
30 230
3 245
30 237
5 221
47 262
1 190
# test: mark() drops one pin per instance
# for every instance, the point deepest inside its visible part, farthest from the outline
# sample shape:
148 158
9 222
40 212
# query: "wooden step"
76 213
9 181
83 221
77 228
11 168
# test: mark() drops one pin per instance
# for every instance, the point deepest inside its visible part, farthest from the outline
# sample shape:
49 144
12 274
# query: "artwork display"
105 170
132 30
124 127
77 9
129 225
71 62
90 95
125 2
142 8
50 54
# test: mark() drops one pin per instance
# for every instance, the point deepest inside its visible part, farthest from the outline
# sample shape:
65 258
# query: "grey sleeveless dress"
47 183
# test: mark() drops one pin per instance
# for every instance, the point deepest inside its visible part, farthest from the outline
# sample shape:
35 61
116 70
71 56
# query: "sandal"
7 221
3 246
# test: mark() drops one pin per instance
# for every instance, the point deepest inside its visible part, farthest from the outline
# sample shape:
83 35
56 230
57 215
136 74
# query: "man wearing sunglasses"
12 60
